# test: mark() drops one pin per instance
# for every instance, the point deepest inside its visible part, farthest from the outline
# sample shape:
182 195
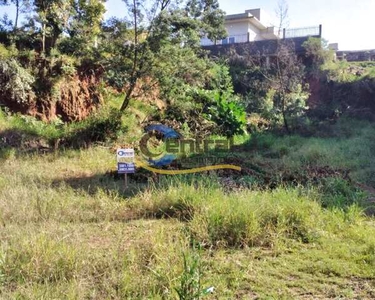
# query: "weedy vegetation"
69 230
297 222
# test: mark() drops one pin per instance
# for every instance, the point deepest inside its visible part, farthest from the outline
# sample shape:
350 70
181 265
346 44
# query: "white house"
246 27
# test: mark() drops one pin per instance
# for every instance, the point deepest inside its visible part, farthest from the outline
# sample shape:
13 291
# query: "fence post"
320 30
284 33
248 37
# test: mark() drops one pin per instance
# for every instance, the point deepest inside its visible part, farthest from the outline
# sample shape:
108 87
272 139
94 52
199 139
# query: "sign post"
125 163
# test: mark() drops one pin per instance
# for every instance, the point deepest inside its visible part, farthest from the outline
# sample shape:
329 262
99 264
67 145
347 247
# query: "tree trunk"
128 95
281 92
95 42
17 14
43 38
133 77
286 124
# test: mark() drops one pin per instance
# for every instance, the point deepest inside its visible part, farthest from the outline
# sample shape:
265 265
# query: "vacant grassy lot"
68 230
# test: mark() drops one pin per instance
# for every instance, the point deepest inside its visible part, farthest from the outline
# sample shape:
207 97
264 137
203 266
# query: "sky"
350 23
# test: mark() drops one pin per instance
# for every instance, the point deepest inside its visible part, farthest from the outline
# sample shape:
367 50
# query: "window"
224 41
232 40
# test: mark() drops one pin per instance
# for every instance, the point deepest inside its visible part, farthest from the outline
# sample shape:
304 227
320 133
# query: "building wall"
255 34
262 16
240 30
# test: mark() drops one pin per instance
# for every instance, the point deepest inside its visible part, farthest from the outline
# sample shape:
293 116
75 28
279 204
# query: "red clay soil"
77 99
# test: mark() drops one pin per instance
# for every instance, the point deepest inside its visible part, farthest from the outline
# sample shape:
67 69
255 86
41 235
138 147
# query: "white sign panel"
125 152
125 155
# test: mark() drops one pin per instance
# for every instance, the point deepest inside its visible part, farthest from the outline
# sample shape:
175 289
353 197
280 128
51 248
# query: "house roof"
243 17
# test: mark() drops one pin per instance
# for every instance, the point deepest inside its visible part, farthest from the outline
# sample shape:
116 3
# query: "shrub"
100 127
190 287
5 52
221 108
209 112
7 153
227 114
15 82
260 105
317 54
340 193
256 123
260 141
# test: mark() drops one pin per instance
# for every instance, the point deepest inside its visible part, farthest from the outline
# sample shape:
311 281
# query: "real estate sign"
125 161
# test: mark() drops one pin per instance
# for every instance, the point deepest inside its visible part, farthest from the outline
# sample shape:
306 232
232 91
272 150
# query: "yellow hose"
189 171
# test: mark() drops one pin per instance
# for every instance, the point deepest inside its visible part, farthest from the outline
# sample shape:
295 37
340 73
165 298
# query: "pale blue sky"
351 23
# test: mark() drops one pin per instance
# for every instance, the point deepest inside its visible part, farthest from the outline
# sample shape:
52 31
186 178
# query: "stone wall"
362 55
262 48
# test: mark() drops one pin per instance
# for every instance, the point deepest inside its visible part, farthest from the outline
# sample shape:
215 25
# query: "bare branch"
282 13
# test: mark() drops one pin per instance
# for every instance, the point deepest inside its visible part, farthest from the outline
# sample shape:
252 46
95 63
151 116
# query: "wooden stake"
126 181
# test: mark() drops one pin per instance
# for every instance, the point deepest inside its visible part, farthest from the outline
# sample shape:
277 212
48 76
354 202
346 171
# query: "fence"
302 32
287 33
233 39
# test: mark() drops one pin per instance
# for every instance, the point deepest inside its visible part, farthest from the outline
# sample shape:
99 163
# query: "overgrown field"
69 231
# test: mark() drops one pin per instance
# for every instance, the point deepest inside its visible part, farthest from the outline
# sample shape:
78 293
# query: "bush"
260 141
101 127
227 114
15 82
190 287
221 108
340 193
256 123
317 54
207 112
7 52
7 153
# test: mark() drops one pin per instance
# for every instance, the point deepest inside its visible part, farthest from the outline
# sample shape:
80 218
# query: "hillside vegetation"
297 222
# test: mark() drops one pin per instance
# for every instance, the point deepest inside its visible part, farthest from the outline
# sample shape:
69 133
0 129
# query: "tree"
21 7
6 25
287 79
288 73
84 29
282 13
210 17
87 19
53 16
276 90
317 54
139 47
165 23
